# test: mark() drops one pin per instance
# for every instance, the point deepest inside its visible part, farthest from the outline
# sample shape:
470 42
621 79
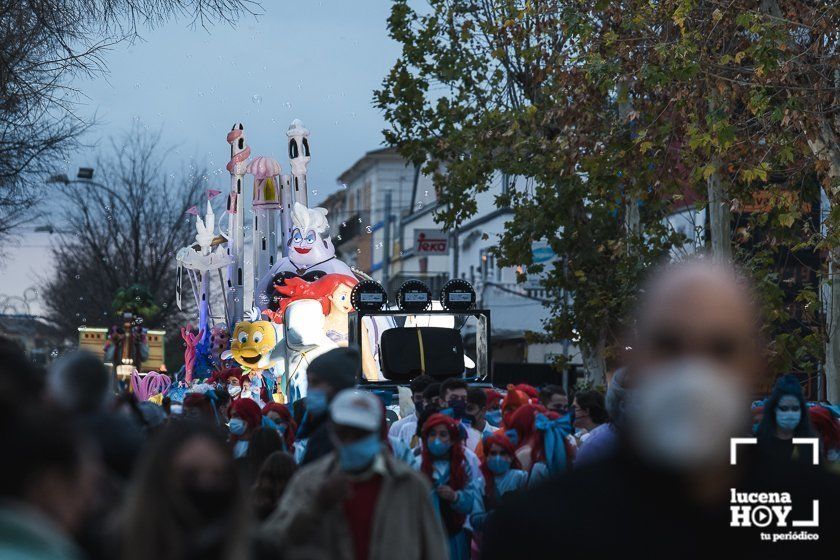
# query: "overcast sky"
316 60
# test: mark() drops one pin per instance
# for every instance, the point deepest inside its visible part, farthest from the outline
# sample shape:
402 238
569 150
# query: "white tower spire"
235 281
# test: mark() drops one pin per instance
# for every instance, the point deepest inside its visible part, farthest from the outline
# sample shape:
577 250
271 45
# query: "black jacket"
622 507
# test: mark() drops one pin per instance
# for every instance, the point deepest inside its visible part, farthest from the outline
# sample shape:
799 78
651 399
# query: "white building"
358 210
389 247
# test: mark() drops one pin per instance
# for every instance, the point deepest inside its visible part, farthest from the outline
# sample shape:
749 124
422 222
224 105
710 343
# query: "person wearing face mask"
511 402
457 482
245 417
228 378
327 375
602 442
358 501
785 418
453 396
502 474
555 399
695 357
185 500
417 386
474 418
408 432
279 415
494 407
590 414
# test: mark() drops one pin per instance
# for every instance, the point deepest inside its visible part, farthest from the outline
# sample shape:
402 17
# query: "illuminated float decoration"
301 293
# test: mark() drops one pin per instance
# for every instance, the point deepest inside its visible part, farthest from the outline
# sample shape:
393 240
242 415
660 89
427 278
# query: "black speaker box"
405 353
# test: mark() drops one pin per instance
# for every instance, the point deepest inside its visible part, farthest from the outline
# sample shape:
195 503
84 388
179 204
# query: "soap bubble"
256 99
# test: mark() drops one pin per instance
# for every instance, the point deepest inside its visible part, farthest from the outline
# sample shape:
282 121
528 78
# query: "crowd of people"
468 470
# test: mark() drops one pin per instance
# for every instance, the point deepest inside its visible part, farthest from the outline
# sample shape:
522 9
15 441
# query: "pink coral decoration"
152 384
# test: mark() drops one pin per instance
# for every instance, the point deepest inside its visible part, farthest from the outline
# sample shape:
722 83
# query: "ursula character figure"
311 255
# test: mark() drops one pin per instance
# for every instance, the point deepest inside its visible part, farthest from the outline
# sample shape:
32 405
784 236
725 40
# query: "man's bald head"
702 309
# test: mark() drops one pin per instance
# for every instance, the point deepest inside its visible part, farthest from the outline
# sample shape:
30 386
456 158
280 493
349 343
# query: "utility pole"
386 248
455 252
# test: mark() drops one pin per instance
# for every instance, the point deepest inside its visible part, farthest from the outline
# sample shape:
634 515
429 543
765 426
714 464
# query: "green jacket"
405 525
25 534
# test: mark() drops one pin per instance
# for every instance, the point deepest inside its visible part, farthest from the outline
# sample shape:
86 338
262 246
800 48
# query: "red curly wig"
286 416
457 470
320 290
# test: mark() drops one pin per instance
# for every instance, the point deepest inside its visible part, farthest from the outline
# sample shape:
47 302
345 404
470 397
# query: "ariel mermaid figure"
332 291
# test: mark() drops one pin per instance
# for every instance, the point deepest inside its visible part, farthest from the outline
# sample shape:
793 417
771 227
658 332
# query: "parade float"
301 301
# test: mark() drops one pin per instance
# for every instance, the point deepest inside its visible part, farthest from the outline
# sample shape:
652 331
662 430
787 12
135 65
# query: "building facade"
385 214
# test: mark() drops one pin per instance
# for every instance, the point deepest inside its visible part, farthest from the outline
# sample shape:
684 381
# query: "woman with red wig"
513 400
283 422
332 291
544 445
502 474
457 486
245 417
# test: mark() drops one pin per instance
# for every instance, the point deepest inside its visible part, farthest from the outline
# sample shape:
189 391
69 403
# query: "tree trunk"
594 362
823 143
831 303
720 219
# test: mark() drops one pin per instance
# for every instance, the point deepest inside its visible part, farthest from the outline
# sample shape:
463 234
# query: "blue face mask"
494 417
513 437
316 402
459 408
237 426
438 448
281 429
357 456
788 419
498 465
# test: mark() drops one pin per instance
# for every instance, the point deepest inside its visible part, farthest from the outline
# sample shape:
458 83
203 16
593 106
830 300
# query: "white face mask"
683 415
234 390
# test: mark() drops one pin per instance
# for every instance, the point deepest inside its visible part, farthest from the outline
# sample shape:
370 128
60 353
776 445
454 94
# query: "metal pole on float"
235 281
286 200
205 242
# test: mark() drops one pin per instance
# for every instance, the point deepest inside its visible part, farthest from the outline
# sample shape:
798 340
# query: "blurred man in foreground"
670 490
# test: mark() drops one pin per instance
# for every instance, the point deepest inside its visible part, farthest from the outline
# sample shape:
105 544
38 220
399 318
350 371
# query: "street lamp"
85 177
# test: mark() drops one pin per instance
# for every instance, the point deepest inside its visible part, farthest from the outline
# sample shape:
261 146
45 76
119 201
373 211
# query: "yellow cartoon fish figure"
255 344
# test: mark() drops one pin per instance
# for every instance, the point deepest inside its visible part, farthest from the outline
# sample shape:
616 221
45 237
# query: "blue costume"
469 503
511 481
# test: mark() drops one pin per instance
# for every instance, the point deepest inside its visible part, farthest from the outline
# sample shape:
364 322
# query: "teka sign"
430 242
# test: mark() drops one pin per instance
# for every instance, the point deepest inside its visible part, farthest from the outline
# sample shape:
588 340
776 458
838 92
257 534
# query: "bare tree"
44 44
123 230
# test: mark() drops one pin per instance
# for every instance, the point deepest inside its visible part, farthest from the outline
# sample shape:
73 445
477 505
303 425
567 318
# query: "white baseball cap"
357 409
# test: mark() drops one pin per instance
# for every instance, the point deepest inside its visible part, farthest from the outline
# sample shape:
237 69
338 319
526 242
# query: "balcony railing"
347 230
